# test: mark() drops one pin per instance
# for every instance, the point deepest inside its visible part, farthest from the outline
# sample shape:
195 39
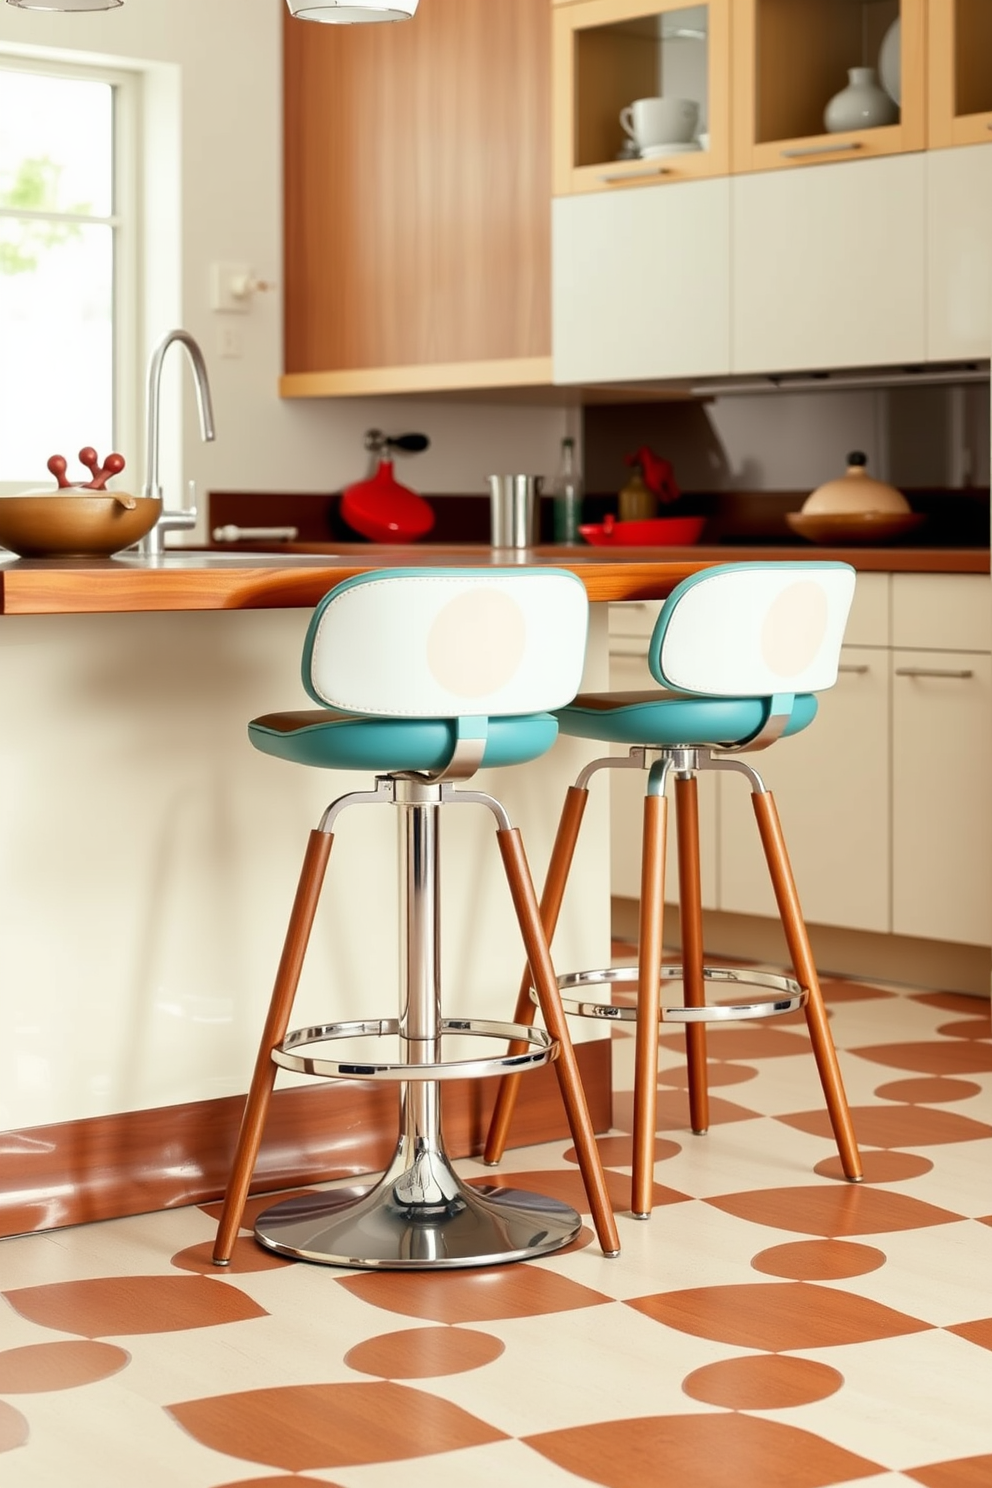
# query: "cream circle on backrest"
476 643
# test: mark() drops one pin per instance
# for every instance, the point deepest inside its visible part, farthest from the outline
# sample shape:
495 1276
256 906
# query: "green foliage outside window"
35 189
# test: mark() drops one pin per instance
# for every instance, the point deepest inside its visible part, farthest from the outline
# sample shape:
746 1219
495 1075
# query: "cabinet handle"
859 670
933 672
804 151
613 177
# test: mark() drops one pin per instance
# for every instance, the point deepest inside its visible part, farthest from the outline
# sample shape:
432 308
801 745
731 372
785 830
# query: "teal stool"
740 650
422 677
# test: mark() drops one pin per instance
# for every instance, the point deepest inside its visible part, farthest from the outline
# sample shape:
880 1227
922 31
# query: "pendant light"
344 12
66 4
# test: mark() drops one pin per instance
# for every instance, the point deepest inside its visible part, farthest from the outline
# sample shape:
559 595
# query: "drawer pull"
804 152
616 177
964 673
859 670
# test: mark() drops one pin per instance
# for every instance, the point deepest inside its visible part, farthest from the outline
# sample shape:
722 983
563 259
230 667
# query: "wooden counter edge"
80 587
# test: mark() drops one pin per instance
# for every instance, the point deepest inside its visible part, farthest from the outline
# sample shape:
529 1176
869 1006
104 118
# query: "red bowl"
657 532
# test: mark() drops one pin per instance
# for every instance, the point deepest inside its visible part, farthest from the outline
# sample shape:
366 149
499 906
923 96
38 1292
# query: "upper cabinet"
959 72
826 80
417 186
640 92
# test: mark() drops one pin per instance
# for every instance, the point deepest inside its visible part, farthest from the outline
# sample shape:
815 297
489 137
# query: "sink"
204 558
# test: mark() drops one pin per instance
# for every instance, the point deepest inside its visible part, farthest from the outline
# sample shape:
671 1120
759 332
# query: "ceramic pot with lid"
855 491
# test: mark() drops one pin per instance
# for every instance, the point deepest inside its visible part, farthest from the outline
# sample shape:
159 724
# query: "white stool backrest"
753 629
448 643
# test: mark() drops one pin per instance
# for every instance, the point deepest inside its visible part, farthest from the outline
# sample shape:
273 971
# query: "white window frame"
125 220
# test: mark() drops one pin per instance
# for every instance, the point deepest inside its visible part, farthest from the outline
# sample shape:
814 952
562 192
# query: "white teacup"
660 121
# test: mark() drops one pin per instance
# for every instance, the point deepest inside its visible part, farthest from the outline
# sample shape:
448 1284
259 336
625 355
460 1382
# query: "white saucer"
653 152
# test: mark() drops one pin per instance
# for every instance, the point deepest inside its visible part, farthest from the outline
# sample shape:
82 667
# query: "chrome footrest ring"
786 994
542 1049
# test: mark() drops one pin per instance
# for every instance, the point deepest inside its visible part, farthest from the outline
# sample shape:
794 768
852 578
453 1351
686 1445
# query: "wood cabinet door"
641 283
417 188
829 266
959 78
831 786
942 801
959 252
605 54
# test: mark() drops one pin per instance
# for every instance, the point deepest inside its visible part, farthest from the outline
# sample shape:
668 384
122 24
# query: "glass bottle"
566 496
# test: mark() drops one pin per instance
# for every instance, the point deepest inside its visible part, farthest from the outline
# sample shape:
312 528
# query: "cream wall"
217 63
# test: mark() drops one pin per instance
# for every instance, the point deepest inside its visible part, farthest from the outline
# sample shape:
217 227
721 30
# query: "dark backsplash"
957 518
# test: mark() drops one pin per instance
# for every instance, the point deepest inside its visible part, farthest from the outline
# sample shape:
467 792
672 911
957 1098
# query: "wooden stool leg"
773 842
566 1068
554 891
691 919
649 952
276 1024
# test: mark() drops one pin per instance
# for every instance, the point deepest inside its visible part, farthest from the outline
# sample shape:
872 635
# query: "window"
67 298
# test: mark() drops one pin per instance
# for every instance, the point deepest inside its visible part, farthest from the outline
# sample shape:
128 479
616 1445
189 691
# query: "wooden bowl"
90 524
842 529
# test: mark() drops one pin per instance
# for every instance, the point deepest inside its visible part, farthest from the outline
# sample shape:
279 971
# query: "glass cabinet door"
640 93
960 72
824 80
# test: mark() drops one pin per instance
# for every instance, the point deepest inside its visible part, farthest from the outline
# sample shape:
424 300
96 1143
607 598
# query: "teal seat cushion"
672 718
346 741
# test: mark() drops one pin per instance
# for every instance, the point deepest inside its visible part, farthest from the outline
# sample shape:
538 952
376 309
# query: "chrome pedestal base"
418 1216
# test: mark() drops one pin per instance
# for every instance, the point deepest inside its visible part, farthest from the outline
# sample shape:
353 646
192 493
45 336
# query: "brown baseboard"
111 1166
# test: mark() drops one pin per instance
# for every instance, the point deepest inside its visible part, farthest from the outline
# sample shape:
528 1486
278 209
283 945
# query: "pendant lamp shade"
345 12
66 4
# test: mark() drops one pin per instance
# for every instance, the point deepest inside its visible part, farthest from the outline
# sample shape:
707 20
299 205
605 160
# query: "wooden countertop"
207 580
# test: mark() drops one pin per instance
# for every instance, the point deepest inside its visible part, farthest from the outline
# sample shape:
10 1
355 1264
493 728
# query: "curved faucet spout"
152 485
152 545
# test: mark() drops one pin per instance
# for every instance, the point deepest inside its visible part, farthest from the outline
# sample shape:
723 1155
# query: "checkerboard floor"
771 1326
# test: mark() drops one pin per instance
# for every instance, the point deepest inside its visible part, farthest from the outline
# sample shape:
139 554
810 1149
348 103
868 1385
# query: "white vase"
863 104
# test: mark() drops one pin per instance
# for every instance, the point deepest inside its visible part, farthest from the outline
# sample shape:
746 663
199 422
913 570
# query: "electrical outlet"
231 342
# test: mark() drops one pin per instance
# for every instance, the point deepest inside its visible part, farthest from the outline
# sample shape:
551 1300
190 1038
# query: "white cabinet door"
829 266
959 247
641 283
942 802
629 673
831 786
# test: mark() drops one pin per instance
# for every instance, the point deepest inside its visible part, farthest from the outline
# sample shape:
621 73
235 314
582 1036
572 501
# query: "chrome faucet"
171 521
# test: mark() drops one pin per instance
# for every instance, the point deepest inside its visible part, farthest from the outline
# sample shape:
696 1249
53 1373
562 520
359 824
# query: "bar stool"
423 676
741 649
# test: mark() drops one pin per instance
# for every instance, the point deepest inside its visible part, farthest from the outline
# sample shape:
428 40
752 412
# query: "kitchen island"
148 857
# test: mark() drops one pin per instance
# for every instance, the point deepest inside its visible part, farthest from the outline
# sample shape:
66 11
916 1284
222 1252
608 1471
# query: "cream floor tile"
598 1364
905 1402
103 1436
961 1178
942 1275
734 1155
170 1367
